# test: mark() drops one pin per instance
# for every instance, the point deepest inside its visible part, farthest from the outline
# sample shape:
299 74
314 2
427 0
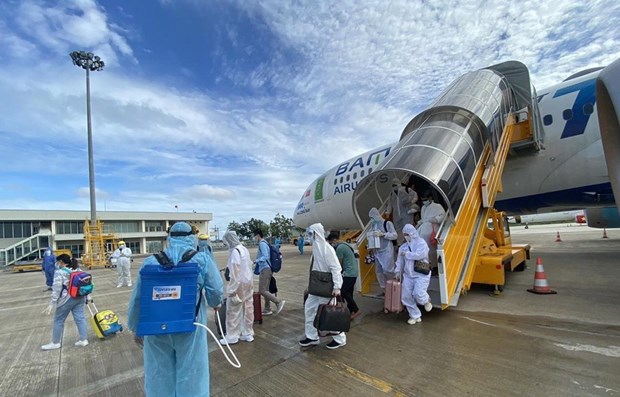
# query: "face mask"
408 238
395 189
426 202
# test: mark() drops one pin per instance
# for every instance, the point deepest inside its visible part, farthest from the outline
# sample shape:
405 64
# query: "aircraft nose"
608 109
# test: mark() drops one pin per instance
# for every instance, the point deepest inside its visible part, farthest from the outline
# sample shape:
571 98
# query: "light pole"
89 62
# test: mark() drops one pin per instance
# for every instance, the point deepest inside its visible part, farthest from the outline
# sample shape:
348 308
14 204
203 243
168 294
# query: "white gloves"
48 309
336 292
235 299
397 276
379 234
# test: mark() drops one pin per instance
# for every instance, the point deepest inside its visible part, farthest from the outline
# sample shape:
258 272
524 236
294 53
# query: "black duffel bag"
332 317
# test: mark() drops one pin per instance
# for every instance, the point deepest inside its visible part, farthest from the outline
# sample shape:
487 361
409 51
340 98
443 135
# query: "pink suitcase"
392 302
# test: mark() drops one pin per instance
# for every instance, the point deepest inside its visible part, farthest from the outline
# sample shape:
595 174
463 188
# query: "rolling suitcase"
220 315
392 301
104 323
258 310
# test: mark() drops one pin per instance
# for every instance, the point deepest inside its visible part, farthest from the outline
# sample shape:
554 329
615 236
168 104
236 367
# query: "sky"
235 106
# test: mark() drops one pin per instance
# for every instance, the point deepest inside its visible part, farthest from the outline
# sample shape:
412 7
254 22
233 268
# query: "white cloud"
85 192
206 192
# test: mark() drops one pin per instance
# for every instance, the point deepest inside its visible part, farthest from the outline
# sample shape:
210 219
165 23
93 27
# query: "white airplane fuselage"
570 172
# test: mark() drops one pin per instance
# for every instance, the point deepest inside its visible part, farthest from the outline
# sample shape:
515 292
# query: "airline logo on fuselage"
577 117
361 163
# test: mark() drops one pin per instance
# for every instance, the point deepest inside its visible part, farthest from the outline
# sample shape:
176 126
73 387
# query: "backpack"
168 295
275 258
80 284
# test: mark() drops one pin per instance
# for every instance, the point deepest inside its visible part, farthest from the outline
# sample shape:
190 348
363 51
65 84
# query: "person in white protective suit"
123 262
239 305
414 284
432 215
384 254
400 203
324 259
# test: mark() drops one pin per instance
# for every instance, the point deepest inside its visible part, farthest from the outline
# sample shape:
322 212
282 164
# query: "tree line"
279 226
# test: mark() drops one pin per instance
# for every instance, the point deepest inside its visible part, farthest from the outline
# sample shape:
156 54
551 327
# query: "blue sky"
234 107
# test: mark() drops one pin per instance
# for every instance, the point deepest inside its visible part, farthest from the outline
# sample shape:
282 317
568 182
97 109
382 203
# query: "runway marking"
369 380
491 325
578 332
607 390
611 351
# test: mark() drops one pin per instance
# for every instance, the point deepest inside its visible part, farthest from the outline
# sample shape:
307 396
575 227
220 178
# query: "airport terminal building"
23 233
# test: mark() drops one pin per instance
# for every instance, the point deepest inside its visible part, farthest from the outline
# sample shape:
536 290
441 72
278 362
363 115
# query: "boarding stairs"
20 250
458 147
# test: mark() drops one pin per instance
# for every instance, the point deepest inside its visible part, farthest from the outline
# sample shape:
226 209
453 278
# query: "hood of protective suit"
180 240
374 214
322 251
412 231
231 239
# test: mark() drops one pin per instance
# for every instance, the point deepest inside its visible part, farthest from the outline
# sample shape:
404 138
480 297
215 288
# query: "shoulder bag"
321 283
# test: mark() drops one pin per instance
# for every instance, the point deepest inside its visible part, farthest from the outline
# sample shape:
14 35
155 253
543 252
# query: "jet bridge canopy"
444 144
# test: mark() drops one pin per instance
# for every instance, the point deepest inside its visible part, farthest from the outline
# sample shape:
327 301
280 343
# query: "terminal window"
16 229
69 227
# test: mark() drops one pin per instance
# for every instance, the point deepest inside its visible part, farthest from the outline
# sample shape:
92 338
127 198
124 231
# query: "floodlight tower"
89 62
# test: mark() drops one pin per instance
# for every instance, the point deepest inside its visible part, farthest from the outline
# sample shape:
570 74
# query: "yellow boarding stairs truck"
457 148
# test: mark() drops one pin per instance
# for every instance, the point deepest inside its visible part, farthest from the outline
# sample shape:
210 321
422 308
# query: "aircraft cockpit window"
548 119
588 108
567 114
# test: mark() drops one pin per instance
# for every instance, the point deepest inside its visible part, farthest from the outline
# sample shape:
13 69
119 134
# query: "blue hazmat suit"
178 364
49 266
278 242
300 245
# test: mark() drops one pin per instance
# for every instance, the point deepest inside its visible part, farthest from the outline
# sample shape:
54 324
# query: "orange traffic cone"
557 238
540 281
605 233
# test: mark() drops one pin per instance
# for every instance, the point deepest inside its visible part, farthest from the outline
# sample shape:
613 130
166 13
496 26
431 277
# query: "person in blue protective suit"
178 364
414 284
48 267
203 244
300 245
278 242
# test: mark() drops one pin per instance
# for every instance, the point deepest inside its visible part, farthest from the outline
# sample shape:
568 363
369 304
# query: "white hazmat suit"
432 215
123 262
401 200
239 305
384 255
414 284
324 260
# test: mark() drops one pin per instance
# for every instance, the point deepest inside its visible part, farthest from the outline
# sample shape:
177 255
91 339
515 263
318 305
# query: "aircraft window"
567 114
548 119
369 170
588 108
355 175
341 179
362 173
348 178
335 181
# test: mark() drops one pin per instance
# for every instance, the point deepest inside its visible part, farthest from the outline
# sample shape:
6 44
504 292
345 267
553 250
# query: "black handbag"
320 283
332 318
422 267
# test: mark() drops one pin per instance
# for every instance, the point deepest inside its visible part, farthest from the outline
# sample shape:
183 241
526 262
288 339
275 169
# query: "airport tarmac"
509 345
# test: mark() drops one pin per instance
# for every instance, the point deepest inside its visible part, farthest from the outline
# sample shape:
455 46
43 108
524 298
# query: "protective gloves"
235 299
336 292
48 309
397 276
379 234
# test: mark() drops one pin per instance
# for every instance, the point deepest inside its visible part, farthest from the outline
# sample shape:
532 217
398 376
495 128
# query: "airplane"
577 164
577 216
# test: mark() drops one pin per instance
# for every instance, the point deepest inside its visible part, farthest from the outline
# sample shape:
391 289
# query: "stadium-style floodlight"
89 62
